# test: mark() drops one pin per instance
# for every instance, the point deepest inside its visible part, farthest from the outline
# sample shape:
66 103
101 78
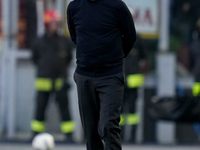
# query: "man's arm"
71 26
69 49
127 28
34 50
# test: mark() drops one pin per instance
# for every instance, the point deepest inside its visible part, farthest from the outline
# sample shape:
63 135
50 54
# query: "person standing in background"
134 64
104 33
195 60
51 54
184 14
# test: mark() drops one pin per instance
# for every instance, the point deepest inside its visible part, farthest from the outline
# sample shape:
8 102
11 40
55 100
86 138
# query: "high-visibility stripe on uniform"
38 126
43 84
46 84
58 84
135 80
67 127
196 89
133 119
122 120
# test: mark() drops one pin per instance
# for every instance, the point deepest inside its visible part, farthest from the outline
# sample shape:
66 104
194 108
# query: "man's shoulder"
117 3
73 3
73 6
38 39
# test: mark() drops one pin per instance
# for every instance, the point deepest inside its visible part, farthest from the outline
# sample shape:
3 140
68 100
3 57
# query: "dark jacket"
131 62
51 55
104 33
195 58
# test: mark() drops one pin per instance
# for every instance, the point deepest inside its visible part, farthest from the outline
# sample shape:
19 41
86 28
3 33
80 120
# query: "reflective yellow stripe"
133 119
43 84
196 89
37 126
135 80
68 127
149 35
122 120
58 84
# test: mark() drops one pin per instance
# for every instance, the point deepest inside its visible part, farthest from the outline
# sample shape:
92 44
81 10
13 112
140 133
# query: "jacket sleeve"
127 29
70 48
141 47
192 54
71 26
34 51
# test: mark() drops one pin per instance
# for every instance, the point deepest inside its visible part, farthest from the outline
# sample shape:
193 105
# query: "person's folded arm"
127 28
34 51
71 26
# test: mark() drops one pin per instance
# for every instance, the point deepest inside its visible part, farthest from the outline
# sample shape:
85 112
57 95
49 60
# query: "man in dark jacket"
51 54
104 33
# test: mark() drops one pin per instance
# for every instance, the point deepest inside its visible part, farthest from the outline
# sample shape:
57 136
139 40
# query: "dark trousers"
129 107
43 99
100 100
130 99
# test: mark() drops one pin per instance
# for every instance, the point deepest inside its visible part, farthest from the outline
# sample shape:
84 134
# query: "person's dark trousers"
130 99
42 101
100 100
129 107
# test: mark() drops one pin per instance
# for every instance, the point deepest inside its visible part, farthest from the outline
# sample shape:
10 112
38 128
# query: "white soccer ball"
43 141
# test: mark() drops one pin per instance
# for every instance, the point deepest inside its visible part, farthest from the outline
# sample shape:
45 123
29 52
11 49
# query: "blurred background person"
51 54
195 60
134 64
184 14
